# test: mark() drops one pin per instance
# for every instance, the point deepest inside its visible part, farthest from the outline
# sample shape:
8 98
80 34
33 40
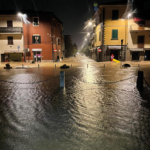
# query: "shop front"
137 54
147 55
116 51
37 57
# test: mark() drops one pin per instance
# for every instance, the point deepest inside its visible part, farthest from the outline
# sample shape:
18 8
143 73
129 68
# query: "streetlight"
90 23
129 15
88 34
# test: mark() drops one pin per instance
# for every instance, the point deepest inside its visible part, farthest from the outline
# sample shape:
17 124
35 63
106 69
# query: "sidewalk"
79 61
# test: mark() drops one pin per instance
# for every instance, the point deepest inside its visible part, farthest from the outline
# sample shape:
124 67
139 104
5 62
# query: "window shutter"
39 39
100 36
114 34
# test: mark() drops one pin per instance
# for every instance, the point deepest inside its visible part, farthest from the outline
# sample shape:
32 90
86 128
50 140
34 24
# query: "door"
37 56
135 56
115 53
147 55
9 23
140 41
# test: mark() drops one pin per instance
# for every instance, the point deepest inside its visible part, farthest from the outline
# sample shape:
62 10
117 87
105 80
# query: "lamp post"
121 50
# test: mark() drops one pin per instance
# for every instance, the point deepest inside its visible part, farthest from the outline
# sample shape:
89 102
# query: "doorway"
37 56
147 55
115 53
2 57
135 56
140 41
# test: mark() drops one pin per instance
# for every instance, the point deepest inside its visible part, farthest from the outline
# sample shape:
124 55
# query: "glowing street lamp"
85 39
90 23
88 34
129 15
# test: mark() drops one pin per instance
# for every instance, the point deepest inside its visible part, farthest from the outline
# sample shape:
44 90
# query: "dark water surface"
86 115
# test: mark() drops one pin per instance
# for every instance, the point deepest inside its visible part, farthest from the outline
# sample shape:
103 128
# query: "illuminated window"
36 39
36 21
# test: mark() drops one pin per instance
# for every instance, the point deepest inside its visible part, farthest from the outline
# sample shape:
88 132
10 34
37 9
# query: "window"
53 40
114 34
36 39
100 18
10 40
100 36
115 14
9 23
58 41
95 38
35 21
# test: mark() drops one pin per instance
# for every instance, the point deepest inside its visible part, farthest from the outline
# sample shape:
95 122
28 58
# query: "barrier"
116 61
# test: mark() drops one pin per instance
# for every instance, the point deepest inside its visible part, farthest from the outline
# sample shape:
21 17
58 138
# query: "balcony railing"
11 30
136 28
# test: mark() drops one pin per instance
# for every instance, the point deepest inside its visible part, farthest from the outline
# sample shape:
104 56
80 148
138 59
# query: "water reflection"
81 116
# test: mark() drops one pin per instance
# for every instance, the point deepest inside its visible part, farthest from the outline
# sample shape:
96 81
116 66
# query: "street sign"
55 50
99 50
18 47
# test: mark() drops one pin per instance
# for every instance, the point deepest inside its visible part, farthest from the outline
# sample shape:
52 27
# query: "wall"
18 39
133 36
97 30
121 25
45 31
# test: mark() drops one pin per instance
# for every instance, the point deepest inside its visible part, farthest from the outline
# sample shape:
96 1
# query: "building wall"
120 25
45 31
16 20
18 39
97 30
133 36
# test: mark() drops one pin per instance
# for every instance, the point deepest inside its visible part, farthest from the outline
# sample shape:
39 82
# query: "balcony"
11 30
136 28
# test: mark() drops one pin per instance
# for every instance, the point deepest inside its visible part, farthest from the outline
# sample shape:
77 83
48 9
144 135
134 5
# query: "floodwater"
93 112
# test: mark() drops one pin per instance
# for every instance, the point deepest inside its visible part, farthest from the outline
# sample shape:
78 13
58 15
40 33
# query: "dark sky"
73 13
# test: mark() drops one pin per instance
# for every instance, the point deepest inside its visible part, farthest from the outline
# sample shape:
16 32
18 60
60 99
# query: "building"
68 45
11 38
109 31
36 39
120 32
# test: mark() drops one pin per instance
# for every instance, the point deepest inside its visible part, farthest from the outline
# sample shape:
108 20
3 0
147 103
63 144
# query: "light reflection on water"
81 116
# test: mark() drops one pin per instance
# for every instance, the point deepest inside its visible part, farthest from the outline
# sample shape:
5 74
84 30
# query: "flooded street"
99 109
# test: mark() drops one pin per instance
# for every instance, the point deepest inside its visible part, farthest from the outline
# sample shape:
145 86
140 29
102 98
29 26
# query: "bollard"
87 66
22 66
62 78
38 65
55 65
104 65
138 65
140 80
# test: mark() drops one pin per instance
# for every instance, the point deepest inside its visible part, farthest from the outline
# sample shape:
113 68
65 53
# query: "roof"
28 11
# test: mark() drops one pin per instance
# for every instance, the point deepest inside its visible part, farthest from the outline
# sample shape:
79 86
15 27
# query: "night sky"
73 13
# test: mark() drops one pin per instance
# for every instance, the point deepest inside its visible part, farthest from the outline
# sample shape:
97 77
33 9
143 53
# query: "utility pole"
121 50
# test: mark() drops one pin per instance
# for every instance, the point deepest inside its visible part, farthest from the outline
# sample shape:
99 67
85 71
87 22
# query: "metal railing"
139 28
11 30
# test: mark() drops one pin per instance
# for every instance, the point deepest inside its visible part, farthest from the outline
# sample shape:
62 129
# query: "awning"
114 47
137 49
13 51
36 50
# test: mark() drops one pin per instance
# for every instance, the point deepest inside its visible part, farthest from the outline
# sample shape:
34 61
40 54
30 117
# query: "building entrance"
37 56
147 55
115 53
135 56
